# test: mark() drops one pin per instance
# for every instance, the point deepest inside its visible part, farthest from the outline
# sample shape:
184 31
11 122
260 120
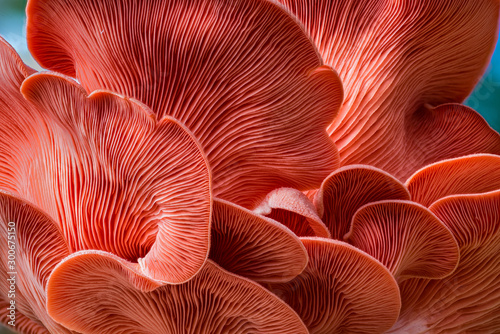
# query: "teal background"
485 98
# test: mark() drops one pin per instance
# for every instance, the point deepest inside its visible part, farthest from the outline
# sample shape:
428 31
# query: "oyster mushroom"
241 75
214 301
403 65
113 176
476 173
406 237
331 295
293 209
254 246
349 188
468 300
36 246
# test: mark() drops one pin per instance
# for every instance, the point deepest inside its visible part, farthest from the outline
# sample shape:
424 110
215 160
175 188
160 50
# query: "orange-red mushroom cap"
31 247
406 237
468 300
342 289
242 75
405 65
293 209
111 175
471 174
254 246
214 301
349 188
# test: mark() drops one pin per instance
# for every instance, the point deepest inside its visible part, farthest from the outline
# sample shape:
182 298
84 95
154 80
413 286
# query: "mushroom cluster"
250 166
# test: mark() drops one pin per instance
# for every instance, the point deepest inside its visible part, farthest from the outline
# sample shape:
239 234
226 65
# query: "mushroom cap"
242 75
214 301
468 300
406 237
111 175
254 246
349 188
342 289
476 173
293 209
31 246
401 64
23 324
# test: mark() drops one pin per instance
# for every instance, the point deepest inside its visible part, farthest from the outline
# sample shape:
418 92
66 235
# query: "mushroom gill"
200 167
349 188
213 302
111 175
242 75
468 300
254 246
406 237
471 174
31 245
402 63
342 290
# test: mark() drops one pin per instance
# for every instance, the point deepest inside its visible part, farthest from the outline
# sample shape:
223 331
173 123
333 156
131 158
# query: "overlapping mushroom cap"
349 188
477 173
433 254
406 237
133 189
37 246
107 171
215 301
150 176
241 75
405 65
331 295
468 300
254 246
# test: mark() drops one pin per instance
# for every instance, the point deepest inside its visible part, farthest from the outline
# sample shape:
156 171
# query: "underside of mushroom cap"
349 188
342 290
214 301
467 301
112 176
293 209
24 324
242 75
406 237
253 246
401 63
31 246
12 69
477 173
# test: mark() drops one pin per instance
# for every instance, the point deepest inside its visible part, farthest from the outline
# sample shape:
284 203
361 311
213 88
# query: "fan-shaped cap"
467 301
112 176
31 246
242 75
214 301
23 323
342 290
406 237
465 175
401 63
254 246
293 209
349 188
13 107
12 69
